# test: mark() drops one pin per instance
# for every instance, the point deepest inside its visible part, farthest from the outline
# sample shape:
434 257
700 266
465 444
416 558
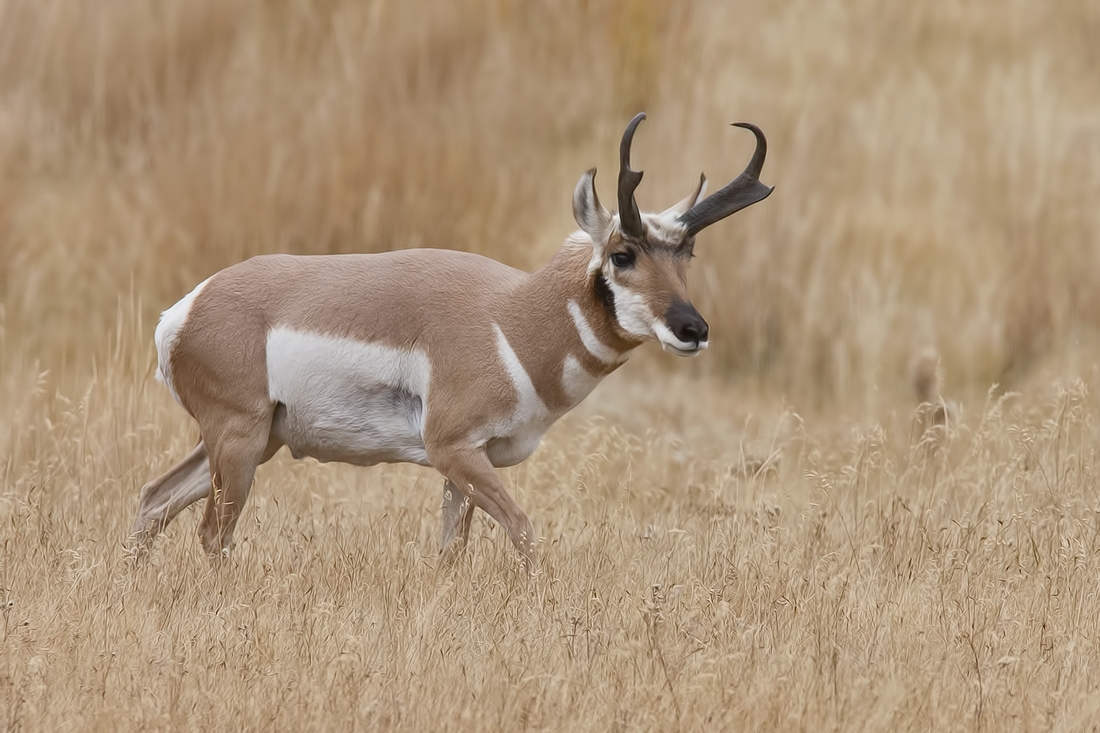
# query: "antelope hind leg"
167 495
243 443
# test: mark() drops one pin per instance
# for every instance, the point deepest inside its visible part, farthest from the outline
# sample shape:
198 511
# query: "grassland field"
776 535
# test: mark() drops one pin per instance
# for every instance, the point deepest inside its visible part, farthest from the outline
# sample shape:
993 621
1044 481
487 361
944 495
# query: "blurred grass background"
763 538
937 164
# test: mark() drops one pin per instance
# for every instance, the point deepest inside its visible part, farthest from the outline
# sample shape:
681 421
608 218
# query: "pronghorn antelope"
436 357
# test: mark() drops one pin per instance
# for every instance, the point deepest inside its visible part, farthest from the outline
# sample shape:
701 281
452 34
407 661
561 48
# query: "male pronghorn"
436 357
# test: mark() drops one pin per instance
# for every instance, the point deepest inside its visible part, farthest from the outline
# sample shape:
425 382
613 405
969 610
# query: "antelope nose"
686 324
693 331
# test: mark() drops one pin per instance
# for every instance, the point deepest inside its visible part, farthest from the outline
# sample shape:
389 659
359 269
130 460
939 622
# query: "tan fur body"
363 298
218 361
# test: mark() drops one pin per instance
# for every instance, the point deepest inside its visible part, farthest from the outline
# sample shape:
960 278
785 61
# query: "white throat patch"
576 381
591 341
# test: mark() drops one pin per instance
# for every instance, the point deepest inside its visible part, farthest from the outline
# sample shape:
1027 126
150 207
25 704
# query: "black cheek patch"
604 295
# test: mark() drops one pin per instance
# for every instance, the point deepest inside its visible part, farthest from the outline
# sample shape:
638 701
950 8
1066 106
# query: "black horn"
743 191
630 219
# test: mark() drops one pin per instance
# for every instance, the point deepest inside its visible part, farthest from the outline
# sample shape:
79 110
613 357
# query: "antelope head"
639 261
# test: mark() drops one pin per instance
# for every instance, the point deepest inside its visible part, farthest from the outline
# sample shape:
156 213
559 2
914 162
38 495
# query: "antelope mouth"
692 350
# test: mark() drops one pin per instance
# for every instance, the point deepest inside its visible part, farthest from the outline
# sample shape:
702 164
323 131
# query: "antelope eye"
622 259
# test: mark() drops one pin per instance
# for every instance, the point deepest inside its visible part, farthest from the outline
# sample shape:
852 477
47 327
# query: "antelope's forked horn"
630 219
743 191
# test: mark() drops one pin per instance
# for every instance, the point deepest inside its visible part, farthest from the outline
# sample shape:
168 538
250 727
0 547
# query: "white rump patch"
168 330
347 400
589 338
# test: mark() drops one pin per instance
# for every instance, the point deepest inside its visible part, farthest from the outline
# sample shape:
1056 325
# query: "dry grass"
758 540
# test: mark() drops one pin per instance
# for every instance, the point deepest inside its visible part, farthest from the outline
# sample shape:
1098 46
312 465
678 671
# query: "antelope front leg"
457 512
470 470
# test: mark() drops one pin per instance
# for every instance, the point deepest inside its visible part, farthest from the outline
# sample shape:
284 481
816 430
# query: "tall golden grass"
766 538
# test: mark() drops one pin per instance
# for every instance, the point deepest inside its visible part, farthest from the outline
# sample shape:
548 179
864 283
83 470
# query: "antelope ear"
593 218
684 206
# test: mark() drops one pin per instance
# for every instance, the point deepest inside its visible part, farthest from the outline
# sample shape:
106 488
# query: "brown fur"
660 275
218 362
442 304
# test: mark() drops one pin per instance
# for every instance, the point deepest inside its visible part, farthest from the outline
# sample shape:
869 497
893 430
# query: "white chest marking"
516 437
168 330
589 338
529 405
347 400
576 381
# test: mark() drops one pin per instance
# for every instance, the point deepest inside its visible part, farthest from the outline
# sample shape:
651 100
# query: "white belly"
344 400
361 403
